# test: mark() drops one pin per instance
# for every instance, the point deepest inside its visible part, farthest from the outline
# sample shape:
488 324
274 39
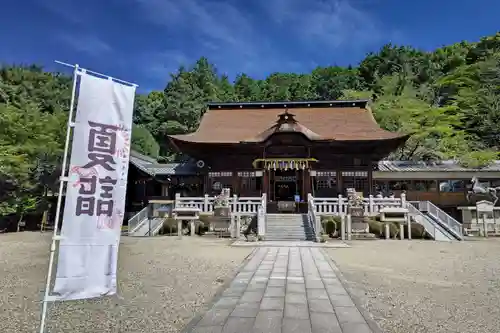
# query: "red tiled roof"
234 125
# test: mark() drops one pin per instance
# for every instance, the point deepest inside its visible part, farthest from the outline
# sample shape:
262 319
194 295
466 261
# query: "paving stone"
207 329
276 282
328 275
227 302
296 310
311 276
234 292
266 272
294 268
244 275
332 281
295 298
275 303
295 288
320 305
295 273
349 315
285 290
247 310
239 283
268 322
317 294
215 317
238 325
275 292
257 285
355 328
295 279
324 323
314 284
252 296
341 300
336 290
296 326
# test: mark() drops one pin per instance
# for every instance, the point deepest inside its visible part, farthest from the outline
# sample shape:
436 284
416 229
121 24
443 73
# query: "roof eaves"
288 104
145 158
141 167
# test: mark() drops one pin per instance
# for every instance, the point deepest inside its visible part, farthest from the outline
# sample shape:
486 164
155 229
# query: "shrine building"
289 149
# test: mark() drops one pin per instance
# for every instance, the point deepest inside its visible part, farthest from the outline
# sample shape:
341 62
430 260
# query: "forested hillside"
449 99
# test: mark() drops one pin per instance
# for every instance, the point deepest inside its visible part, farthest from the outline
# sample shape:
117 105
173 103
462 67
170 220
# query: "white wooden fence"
323 206
371 205
317 207
239 205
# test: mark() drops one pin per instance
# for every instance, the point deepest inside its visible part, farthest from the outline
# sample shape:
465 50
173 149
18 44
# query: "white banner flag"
95 194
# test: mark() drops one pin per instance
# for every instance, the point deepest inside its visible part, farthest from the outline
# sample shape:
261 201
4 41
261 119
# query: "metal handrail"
135 221
428 226
314 222
453 225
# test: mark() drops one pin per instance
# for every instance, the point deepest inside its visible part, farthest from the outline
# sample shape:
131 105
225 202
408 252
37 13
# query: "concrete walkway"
284 290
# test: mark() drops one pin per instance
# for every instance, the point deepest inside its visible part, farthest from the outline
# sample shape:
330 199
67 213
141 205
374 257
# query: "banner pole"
97 73
62 180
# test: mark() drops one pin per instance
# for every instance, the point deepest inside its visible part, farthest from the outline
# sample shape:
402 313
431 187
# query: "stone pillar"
238 226
402 231
179 229
485 226
342 226
387 231
232 226
349 227
408 223
192 228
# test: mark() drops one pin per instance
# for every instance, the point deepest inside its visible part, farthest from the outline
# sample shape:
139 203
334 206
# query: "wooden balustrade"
371 205
239 205
323 206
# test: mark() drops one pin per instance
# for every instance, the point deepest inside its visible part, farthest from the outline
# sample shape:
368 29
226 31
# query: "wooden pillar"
340 182
265 183
235 182
307 182
370 180
205 185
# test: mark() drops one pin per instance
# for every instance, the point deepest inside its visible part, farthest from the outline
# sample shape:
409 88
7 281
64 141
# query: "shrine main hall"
287 149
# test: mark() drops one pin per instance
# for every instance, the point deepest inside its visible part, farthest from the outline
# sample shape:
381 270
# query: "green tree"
30 151
144 142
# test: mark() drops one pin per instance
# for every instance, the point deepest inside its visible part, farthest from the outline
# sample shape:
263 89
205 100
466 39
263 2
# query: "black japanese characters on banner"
94 200
101 146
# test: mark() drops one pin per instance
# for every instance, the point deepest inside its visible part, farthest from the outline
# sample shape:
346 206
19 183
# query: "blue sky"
145 40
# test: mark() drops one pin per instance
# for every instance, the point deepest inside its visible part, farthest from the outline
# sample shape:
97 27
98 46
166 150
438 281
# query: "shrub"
417 231
376 227
394 229
331 227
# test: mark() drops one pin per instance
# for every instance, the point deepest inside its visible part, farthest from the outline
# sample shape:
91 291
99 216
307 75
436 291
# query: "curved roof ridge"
336 122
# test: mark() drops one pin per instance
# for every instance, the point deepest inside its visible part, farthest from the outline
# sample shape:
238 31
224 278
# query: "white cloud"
331 24
67 10
244 38
222 29
212 24
90 44
159 65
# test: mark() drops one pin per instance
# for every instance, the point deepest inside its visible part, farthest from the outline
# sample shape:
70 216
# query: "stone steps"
288 227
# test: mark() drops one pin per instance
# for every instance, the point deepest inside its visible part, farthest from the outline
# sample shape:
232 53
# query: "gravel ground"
164 282
426 286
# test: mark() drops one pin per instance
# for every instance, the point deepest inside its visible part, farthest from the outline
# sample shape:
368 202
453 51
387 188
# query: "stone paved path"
284 290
